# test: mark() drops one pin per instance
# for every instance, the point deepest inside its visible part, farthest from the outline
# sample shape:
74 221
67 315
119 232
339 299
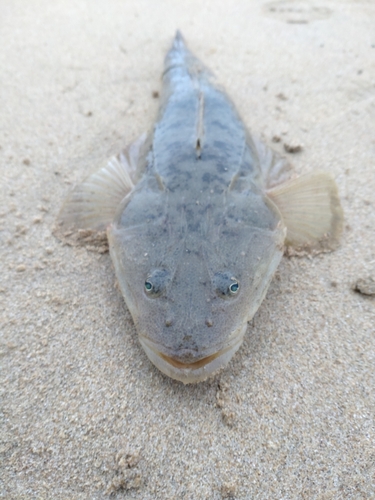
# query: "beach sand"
85 415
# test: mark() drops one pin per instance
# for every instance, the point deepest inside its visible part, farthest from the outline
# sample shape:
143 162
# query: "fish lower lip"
192 366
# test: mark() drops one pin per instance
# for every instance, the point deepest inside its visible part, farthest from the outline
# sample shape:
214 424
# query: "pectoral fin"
274 168
311 211
92 205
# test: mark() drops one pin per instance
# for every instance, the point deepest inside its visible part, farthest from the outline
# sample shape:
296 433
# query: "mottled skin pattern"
196 223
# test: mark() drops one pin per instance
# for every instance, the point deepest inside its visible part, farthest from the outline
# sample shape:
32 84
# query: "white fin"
311 211
92 205
274 168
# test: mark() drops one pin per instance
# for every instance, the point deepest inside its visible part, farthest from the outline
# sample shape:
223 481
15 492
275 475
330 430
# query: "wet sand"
84 413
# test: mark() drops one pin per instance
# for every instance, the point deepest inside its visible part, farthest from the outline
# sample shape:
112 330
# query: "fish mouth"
197 364
197 371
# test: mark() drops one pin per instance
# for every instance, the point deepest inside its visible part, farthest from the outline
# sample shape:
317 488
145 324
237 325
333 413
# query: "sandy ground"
84 413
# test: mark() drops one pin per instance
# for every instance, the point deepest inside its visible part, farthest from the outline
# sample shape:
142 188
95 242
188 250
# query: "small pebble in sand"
229 417
20 229
21 268
127 480
228 490
292 147
365 286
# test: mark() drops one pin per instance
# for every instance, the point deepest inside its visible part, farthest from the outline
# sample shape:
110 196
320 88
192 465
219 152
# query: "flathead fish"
198 214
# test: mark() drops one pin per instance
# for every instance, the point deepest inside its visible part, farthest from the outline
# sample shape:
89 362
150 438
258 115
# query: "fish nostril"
209 322
168 322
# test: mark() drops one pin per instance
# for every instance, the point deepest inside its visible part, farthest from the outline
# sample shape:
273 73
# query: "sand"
84 413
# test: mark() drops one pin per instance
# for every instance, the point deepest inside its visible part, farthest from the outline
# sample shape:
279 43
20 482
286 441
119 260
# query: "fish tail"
182 72
178 52
179 41
180 63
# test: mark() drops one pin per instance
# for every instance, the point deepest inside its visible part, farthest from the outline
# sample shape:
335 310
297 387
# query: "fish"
198 214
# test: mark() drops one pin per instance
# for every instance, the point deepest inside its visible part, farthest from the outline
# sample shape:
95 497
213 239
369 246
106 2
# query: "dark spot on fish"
221 125
198 148
221 145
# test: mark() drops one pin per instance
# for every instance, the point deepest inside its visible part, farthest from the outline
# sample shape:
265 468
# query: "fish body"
197 216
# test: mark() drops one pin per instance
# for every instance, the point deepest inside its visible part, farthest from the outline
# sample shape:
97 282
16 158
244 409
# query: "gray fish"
198 214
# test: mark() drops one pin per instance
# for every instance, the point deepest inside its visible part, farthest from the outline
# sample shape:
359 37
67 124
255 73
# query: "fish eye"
156 282
225 284
234 287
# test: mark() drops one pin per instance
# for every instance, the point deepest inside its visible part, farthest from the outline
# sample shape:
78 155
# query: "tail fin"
176 55
181 63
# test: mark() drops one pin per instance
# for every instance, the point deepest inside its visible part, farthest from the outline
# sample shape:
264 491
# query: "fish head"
192 296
